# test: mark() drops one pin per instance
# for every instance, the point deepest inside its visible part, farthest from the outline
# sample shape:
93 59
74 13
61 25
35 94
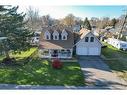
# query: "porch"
55 53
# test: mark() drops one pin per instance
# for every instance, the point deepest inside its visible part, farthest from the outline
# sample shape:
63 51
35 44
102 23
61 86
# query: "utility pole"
123 24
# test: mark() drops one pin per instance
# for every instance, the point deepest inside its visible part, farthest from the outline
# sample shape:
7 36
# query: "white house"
88 43
35 39
60 43
76 28
56 43
117 43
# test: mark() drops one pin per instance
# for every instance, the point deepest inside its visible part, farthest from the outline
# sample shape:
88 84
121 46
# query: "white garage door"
93 51
81 51
87 51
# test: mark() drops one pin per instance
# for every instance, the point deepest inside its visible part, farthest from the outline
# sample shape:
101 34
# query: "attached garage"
81 51
88 44
94 51
88 51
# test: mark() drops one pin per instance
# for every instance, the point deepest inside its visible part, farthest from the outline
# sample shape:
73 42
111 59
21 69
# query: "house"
117 43
60 43
87 43
76 28
35 38
56 43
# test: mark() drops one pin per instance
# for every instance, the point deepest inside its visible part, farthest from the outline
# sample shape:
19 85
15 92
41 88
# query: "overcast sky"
79 11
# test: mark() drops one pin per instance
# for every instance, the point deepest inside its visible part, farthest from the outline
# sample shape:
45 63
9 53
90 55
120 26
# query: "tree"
113 22
69 20
86 24
47 20
12 26
33 18
104 22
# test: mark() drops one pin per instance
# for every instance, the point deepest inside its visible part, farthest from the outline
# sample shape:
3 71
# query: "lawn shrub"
57 64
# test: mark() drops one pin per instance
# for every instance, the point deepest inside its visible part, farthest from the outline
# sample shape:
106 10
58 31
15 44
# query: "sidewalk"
35 87
39 87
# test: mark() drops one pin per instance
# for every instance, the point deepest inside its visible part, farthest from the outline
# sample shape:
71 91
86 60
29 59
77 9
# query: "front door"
55 53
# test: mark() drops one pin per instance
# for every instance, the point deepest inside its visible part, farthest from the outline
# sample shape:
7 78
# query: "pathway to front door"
98 74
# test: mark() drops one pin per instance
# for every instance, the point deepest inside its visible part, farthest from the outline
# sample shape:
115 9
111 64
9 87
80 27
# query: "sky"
78 11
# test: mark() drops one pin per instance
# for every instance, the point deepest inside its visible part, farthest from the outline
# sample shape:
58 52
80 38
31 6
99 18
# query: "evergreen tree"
113 22
12 26
86 24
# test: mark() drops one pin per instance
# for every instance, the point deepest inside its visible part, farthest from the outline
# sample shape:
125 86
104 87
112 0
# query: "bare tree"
33 18
69 20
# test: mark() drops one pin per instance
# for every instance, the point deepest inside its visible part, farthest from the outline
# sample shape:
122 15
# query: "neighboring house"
96 32
125 35
60 43
35 39
56 43
88 43
117 43
76 28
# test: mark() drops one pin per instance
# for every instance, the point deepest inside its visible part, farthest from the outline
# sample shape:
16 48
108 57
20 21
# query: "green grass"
22 55
40 72
116 59
1 57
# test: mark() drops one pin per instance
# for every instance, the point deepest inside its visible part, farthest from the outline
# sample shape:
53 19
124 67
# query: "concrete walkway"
98 74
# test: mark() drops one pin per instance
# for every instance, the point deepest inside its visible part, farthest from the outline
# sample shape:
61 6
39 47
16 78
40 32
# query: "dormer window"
55 35
64 35
47 35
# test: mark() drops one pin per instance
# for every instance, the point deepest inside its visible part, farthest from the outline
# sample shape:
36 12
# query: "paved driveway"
98 74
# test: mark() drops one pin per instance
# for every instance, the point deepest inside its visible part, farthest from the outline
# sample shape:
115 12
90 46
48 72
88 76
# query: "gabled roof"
82 33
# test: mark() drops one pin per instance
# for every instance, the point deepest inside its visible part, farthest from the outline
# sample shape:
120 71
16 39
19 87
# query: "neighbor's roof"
57 44
81 34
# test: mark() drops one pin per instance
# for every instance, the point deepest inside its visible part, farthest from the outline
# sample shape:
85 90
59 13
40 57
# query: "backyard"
116 59
40 72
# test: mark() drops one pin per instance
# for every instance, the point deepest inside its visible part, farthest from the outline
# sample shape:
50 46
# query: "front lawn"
116 59
40 72
1 57
22 55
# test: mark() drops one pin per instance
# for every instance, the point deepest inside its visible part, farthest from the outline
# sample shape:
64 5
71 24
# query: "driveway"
98 74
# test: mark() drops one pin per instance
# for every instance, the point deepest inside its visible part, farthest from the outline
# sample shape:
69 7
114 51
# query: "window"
47 37
37 38
86 39
123 45
92 39
64 37
55 37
